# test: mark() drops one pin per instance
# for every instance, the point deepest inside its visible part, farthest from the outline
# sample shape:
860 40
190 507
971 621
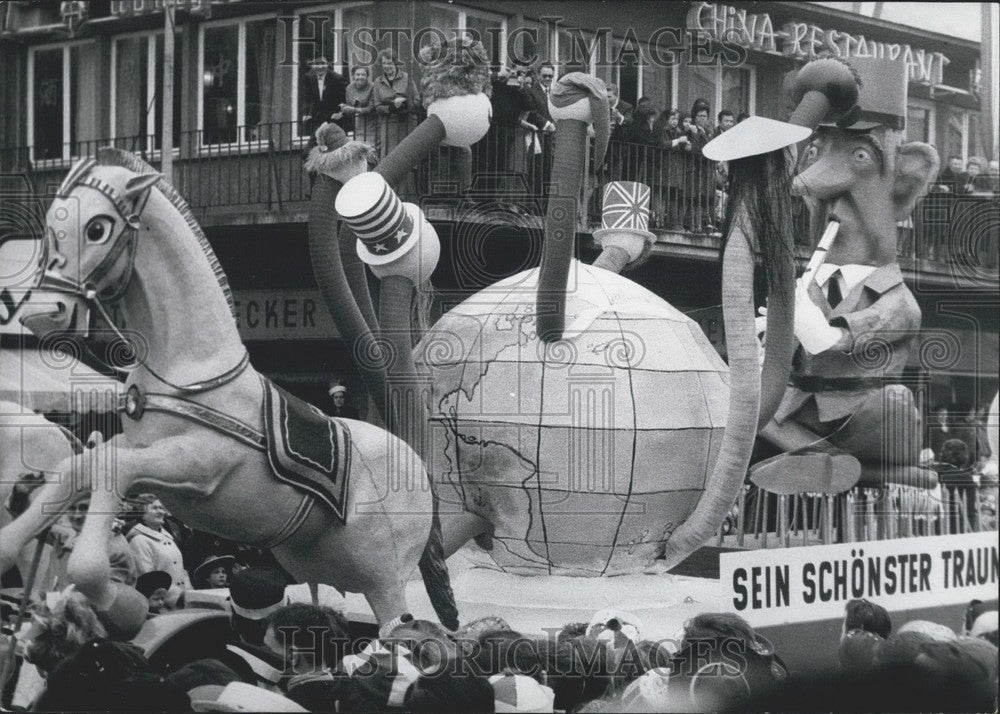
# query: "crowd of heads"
303 657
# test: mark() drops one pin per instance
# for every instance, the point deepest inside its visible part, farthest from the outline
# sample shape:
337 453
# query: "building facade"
84 75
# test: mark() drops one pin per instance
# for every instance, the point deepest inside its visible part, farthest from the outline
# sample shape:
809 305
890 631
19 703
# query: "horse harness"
136 401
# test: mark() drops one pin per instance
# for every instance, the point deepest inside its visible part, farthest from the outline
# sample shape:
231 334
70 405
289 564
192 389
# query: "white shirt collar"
850 274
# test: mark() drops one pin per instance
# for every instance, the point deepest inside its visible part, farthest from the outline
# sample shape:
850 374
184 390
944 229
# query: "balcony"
255 176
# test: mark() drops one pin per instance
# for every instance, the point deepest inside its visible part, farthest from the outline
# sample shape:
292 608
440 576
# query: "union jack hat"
625 210
384 225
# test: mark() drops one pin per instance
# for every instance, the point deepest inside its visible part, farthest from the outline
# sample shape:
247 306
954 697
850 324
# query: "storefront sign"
269 315
787 585
283 315
806 41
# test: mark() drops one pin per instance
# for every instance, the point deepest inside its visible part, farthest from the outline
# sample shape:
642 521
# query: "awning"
55 382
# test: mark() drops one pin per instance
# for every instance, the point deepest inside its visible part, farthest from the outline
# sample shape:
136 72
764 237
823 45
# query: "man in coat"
324 92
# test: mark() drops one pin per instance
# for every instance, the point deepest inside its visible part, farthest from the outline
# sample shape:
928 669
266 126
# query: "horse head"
88 250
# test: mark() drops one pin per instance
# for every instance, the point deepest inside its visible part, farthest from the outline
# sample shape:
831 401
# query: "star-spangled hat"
625 210
383 224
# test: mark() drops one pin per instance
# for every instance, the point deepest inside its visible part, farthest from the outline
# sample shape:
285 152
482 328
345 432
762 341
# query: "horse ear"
138 185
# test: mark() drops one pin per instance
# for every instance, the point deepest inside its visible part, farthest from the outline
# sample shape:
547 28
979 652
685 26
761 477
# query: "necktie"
833 290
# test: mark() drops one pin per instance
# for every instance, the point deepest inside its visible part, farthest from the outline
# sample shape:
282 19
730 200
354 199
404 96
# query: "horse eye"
99 229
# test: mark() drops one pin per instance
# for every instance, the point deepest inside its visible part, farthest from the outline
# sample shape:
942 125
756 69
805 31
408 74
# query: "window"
337 39
490 29
137 91
237 62
62 118
920 121
732 88
962 135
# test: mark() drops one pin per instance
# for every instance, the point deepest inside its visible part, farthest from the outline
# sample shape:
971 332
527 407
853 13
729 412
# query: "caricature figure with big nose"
855 318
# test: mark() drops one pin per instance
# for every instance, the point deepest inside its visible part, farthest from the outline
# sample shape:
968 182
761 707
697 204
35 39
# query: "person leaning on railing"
395 98
701 176
678 147
359 104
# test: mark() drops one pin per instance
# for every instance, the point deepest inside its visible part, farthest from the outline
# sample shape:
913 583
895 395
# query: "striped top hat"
384 225
625 210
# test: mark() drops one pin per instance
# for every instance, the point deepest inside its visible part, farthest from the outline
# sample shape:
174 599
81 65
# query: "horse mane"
110 156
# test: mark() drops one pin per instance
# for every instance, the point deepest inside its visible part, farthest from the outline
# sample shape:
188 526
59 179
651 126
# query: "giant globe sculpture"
585 454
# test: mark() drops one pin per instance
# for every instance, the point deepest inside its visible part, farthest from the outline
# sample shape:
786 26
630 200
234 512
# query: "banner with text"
787 585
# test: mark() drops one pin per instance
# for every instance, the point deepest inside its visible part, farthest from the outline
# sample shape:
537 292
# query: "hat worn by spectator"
240 697
210 563
201 673
149 583
337 389
933 630
335 154
615 628
984 624
648 692
255 593
858 650
386 674
520 693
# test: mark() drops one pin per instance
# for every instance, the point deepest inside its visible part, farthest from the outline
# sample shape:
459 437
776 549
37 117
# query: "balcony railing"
256 174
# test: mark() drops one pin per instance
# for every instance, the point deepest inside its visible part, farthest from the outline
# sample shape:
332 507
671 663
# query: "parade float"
567 435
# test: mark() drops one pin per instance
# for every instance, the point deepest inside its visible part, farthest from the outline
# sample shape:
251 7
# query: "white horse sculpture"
203 430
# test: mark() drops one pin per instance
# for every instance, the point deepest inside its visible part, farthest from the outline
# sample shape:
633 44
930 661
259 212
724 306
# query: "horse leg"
387 603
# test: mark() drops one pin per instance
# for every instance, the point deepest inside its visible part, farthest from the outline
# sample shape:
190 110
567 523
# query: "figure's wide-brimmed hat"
210 563
625 210
386 227
825 90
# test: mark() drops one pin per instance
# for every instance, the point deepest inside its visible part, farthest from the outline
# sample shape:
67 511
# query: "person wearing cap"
214 572
155 586
338 395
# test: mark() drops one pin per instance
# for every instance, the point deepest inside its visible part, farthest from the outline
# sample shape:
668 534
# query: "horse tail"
434 571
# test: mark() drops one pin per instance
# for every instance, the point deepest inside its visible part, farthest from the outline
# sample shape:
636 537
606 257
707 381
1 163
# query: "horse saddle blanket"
306 448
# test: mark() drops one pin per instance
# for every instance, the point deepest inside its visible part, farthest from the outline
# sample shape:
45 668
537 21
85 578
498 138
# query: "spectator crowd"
284 651
659 147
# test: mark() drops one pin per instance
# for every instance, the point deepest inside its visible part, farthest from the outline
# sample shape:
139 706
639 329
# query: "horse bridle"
123 243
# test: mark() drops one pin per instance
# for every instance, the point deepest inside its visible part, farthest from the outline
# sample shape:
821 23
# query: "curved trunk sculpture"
779 348
560 229
613 258
341 293
395 303
723 484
